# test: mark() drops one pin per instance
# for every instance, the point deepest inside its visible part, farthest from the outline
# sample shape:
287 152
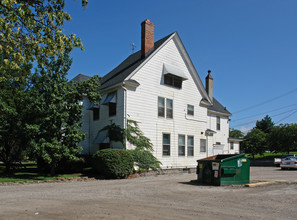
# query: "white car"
277 161
289 163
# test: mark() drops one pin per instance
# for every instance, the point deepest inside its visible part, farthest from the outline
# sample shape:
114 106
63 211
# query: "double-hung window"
161 107
202 145
232 146
169 108
190 110
218 123
165 109
190 145
181 145
166 144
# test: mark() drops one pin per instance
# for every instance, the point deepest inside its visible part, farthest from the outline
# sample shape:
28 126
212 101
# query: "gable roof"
118 74
80 78
135 60
218 108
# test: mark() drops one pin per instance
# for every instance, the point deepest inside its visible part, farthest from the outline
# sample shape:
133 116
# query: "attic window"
173 76
172 80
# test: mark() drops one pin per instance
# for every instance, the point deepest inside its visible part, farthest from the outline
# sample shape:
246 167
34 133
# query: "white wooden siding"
142 105
221 135
92 127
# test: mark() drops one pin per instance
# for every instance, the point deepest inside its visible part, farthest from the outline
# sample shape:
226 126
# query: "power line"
286 117
265 112
254 121
265 102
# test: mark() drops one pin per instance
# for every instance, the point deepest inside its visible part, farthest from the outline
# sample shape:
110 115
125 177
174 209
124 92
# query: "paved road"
272 174
155 197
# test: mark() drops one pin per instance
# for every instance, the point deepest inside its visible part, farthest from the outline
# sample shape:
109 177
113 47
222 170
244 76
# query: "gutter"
125 111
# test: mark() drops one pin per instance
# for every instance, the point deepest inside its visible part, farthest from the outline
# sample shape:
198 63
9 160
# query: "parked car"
289 163
277 161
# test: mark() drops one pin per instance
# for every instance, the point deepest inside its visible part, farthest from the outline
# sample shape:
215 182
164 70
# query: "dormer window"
173 76
172 80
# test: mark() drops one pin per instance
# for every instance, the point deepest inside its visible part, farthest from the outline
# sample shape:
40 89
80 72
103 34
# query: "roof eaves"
200 85
219 112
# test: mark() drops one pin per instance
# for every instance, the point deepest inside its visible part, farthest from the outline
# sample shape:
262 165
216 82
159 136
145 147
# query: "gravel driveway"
154 197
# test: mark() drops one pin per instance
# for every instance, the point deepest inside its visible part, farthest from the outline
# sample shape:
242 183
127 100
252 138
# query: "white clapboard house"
160 88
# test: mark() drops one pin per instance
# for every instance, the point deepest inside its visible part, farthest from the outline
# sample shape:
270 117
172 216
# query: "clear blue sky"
250 46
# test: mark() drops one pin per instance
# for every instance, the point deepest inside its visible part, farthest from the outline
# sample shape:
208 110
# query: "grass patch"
28 172
30 177
269 155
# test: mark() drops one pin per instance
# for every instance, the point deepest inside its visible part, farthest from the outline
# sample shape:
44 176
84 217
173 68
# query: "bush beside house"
113 163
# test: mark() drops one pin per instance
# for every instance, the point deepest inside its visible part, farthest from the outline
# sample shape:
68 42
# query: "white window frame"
231 145
182 147
204 150
169 145
190 146
189 112
218 124
166 109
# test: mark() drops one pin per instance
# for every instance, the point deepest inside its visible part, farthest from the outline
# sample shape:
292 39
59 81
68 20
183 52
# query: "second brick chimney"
209 85
147 36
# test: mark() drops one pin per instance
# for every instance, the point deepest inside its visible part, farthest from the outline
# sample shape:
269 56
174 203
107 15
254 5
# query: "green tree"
15 124
115 132
265 125
142 153
30 33
58 113
235 133
136 137
283 138
255 142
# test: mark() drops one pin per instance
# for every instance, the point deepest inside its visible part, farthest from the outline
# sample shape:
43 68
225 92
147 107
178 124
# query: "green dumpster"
224 169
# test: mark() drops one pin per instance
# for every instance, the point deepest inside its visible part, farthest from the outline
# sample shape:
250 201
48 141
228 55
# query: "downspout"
89 133
125 113
206 145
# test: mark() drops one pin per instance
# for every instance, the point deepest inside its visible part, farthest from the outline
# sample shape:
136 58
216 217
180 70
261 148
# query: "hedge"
113 163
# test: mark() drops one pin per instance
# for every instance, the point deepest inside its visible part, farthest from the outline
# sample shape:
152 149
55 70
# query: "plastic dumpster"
224 169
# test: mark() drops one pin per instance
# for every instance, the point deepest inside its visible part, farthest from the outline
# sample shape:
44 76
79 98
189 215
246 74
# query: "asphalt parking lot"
154 197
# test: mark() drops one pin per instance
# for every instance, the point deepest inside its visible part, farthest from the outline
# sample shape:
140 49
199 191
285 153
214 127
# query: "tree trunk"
8 167
53 168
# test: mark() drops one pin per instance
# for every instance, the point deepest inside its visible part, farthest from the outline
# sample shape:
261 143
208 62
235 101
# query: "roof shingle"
118 74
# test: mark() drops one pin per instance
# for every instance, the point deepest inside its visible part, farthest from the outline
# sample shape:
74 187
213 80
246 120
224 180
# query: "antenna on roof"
133 46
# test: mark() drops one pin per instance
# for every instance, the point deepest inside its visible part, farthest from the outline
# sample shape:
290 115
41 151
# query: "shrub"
113 163
64 165
145 160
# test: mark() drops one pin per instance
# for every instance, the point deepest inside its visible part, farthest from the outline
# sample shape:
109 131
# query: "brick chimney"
209 85
147 36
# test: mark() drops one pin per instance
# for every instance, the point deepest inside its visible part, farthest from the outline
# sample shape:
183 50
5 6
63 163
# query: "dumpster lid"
223 157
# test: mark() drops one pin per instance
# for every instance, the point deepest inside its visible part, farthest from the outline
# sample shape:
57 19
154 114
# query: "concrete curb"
269 183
